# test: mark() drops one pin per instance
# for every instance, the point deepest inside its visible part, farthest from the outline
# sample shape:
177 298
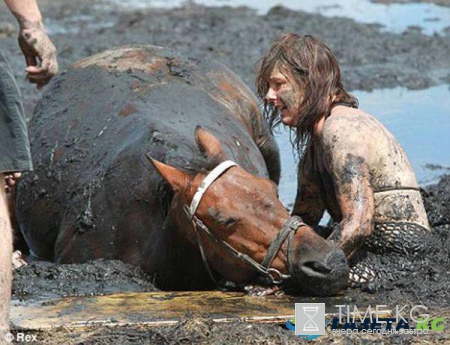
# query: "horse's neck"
178 254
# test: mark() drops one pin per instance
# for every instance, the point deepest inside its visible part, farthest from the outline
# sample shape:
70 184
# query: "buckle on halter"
298 222
273 274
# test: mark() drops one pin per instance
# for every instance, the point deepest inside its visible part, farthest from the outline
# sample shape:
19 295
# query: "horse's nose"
327 276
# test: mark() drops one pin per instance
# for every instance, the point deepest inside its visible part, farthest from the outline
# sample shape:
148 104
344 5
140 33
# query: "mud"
237 37
437 202
428 278
44 280
369 58
426 281
197 330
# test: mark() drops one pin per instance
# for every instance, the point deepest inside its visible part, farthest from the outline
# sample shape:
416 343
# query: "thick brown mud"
46 280
237 37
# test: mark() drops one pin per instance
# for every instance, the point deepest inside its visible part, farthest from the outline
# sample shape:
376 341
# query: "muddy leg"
390 244
5 262
399 237
363 270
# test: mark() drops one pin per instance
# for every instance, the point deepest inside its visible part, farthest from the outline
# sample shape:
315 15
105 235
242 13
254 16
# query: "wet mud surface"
45 280
238 37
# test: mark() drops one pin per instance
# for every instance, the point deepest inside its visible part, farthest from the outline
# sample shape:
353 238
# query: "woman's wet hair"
312 65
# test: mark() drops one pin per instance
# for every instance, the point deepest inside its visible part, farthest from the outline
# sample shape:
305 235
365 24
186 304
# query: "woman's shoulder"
350 130
344 120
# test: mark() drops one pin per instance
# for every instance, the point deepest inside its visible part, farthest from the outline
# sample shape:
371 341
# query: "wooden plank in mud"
159 308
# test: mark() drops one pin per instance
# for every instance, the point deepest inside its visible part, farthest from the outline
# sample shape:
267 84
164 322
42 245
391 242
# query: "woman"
351 165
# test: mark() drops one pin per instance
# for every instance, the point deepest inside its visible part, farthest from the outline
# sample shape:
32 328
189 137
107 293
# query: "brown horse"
245 217
93 193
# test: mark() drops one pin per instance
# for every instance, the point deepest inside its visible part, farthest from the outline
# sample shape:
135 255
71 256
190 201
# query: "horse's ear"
177 179
208 143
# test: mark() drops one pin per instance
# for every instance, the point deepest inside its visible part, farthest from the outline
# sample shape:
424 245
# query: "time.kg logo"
310 319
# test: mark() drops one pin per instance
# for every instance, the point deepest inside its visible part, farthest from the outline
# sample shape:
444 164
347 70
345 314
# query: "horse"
94 193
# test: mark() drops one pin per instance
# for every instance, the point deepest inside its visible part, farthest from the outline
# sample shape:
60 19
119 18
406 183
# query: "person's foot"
17 260
11 180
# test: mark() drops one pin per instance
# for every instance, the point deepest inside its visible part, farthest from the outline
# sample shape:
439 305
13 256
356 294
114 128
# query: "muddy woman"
40 56
350 165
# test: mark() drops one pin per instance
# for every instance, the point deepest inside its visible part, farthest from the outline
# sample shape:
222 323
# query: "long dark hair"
313 66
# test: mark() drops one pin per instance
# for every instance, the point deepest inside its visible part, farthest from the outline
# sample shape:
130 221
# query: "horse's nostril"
317 267
323 277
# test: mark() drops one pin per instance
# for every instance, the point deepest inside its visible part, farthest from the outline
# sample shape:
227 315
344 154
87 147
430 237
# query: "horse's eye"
228 222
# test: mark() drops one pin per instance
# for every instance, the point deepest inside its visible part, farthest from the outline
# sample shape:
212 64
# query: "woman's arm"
347 158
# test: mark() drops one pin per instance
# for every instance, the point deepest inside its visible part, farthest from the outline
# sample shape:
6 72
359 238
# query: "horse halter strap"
287 231
212 176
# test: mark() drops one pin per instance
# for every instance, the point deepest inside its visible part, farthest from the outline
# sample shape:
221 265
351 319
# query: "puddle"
394 17
420 120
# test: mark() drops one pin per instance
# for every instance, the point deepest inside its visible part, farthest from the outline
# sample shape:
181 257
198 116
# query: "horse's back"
90 135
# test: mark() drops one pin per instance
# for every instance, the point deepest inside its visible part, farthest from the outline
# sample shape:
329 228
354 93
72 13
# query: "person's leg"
390 250
14 157
5 261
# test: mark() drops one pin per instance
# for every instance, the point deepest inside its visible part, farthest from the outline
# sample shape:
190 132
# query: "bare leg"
5 261
10 181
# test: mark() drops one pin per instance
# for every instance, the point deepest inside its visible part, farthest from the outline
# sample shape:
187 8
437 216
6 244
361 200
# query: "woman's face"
285 94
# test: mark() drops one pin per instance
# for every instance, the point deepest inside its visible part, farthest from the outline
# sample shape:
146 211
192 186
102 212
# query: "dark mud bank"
45 280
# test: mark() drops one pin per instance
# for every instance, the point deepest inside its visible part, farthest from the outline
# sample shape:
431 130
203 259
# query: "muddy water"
392 17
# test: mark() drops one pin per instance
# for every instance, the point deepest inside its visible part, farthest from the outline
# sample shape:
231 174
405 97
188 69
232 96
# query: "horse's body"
95 195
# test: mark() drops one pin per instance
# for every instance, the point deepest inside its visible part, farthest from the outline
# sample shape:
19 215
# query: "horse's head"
244 211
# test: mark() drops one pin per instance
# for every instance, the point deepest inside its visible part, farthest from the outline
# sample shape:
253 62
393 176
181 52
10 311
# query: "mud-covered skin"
360 174
90 135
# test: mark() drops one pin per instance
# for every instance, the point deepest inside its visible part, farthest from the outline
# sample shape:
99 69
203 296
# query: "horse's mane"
201 164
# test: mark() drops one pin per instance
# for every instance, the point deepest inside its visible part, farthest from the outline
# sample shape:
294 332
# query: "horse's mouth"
322 277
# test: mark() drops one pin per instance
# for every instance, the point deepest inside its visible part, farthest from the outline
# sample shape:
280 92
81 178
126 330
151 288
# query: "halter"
287 232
